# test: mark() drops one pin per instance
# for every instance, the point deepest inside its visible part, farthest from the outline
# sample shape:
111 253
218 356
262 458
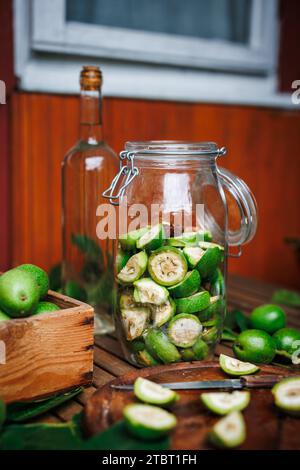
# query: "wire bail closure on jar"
130 171
234 185
127 170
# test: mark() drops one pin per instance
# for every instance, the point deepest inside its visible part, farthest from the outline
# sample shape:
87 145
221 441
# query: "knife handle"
264 381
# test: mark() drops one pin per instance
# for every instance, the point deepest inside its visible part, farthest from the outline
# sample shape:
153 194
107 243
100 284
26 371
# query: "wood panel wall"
263 149
7 75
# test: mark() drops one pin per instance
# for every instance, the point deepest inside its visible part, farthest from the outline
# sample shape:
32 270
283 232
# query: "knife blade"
206 384
265 381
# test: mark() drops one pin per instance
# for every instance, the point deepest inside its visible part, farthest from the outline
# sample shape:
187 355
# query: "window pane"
210 19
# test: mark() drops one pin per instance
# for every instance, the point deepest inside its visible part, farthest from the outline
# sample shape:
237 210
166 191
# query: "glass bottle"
171 263
86 170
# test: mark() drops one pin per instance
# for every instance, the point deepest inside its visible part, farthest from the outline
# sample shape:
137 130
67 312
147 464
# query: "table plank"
259 292
48 418
66 411
110 344
111 363
101 376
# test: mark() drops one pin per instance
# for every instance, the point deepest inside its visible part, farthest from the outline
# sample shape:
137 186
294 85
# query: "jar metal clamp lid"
230 183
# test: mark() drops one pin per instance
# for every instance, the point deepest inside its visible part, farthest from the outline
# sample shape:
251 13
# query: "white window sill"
156 83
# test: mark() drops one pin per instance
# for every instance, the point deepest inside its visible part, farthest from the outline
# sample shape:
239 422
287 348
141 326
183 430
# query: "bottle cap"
90 78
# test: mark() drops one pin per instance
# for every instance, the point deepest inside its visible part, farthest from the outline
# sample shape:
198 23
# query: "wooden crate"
47 353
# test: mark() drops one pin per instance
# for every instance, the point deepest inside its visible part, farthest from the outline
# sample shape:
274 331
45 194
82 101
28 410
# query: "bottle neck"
91 116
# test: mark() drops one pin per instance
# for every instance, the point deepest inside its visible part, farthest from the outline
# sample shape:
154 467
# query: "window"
230 35
216 50
229 20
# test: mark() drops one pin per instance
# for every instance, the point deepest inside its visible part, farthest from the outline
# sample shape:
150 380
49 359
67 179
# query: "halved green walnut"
193 255
159 346
153 393
229 432
127 300
134 268
223 403
184 330
188 286
190 239
217 284
205 245
152 239
187 239
209 262
121 259
128 240
176 243
135 321
148 422
204 235
167 266
161 314
233 366
145 358
210 335
147 291
213 309
197 352
194 303
287 395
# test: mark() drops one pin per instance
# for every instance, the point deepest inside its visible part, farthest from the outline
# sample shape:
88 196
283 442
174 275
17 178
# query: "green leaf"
68 436
19 412
88 247
91 272
228 335
41 436
103 292
62 436
2 413
55 282
118 438
286 297
230 321
73 289
242 321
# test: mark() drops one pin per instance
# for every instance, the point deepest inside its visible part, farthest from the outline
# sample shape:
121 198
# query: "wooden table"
243 294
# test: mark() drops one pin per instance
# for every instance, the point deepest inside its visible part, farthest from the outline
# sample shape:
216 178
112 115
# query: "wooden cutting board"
267 428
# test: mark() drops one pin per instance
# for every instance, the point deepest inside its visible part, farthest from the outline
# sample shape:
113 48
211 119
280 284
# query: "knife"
265 381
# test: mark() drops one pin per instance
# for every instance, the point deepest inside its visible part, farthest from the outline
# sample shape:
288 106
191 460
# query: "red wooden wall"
7 75
263 149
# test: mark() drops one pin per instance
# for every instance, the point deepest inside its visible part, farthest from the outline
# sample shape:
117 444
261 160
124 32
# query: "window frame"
53 68
52 33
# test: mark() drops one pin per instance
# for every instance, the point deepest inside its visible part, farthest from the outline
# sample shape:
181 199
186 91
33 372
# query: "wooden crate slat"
49 353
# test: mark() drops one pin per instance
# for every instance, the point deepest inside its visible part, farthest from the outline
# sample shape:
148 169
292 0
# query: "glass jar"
171 259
